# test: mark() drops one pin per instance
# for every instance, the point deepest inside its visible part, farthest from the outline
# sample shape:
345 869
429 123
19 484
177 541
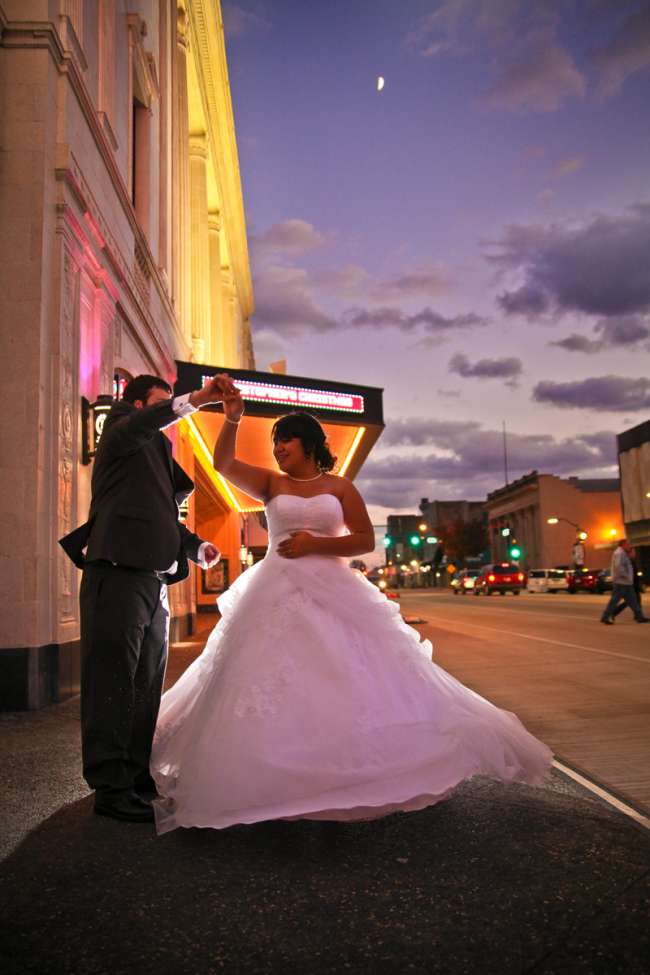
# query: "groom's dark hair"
141 386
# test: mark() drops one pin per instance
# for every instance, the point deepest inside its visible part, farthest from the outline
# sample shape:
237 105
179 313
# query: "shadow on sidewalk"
493 880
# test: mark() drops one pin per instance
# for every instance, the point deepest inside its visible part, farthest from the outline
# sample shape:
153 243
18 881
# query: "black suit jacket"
136 489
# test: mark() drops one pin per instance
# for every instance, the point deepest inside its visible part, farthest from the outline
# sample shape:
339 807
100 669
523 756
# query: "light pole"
578 552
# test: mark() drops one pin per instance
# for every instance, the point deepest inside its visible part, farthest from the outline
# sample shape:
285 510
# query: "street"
580 686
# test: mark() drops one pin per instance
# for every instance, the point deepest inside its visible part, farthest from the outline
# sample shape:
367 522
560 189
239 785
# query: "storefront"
352 418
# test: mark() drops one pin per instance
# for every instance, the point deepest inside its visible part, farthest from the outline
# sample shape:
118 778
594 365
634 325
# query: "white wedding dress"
313 699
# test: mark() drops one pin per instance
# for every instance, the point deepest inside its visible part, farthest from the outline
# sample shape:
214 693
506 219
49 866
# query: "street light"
582 535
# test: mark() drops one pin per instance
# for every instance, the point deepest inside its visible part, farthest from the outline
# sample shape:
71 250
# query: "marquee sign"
297 397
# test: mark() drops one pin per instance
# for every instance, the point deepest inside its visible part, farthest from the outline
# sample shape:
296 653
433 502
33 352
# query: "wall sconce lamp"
93 417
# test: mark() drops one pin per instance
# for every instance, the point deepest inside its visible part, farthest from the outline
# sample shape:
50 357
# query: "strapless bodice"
320 515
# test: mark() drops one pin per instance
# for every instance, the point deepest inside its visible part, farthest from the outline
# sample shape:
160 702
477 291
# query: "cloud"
546 196
579 343
466 460
599 268
539 78
289 298
627 54
455 24
429 280
289 239
628 330
570 165
238 21
509 368
536 74
285 304
431 320
603 393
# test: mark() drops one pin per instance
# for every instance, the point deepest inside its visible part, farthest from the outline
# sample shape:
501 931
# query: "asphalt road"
582 687
501 880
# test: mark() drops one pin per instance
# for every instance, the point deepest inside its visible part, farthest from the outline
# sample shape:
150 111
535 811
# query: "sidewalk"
494 880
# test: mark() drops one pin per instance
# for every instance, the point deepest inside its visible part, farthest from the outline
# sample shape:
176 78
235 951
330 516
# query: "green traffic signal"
388 541
415 540
515 552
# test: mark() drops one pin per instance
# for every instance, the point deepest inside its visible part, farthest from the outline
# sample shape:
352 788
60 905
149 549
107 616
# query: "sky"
474 238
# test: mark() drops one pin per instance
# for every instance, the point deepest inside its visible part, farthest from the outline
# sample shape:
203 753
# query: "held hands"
233 405
297 545
215 390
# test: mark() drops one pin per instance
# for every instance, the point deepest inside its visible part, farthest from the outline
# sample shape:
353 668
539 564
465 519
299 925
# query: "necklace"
314 478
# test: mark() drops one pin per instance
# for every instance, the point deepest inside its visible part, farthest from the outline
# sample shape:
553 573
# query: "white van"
547 580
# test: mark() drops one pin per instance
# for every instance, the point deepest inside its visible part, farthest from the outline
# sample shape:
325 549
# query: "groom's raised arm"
128 433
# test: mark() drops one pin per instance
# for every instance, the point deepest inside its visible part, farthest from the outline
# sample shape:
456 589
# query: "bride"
312 698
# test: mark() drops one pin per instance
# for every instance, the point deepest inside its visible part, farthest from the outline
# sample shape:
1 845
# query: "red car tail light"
521 577
491 578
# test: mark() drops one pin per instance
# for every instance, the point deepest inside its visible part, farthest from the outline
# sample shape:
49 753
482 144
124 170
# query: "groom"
135 547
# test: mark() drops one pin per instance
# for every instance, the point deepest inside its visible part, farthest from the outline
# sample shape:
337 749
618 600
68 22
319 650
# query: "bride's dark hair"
309 432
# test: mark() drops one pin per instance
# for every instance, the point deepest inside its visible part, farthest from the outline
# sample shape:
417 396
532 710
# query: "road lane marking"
531 612
602 794
542 639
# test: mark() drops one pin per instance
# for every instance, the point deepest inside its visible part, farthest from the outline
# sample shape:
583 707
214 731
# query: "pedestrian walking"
623 585
135 546
637 583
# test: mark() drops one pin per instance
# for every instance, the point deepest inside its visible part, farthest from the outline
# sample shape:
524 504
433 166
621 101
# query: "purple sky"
475 238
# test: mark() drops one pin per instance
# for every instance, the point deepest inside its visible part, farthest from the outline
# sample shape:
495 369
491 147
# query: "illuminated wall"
123 248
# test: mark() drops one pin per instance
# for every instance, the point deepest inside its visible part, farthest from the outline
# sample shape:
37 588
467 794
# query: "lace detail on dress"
265 699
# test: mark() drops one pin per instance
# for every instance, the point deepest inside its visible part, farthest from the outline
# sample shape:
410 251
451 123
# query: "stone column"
181 180
229 297
217 323
200 280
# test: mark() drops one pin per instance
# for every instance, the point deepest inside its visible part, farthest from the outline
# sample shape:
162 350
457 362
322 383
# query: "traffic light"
388 541
415 540
515 550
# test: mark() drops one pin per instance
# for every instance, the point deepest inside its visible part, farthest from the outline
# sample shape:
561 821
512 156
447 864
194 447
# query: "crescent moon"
380 83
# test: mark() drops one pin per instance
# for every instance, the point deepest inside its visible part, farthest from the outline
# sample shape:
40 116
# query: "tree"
464 539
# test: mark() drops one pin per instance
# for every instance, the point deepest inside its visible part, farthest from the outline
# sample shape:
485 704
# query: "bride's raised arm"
255 481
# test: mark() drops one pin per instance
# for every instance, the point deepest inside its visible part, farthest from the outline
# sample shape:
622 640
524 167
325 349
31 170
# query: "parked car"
547 580
605 583
588 580
464 581
501 577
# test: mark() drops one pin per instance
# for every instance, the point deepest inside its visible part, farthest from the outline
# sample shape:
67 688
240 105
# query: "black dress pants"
124 641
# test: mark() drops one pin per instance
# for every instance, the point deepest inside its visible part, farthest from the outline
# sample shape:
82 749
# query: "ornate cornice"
43 36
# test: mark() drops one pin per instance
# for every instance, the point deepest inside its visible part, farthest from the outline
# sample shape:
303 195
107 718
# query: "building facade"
524 508
123 251
634 463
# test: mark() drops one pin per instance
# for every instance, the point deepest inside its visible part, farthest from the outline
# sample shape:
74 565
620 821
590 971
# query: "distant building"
460 528
634 463
437 514
524 507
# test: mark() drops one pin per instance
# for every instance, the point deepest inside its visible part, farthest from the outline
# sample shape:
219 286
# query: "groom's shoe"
124 805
